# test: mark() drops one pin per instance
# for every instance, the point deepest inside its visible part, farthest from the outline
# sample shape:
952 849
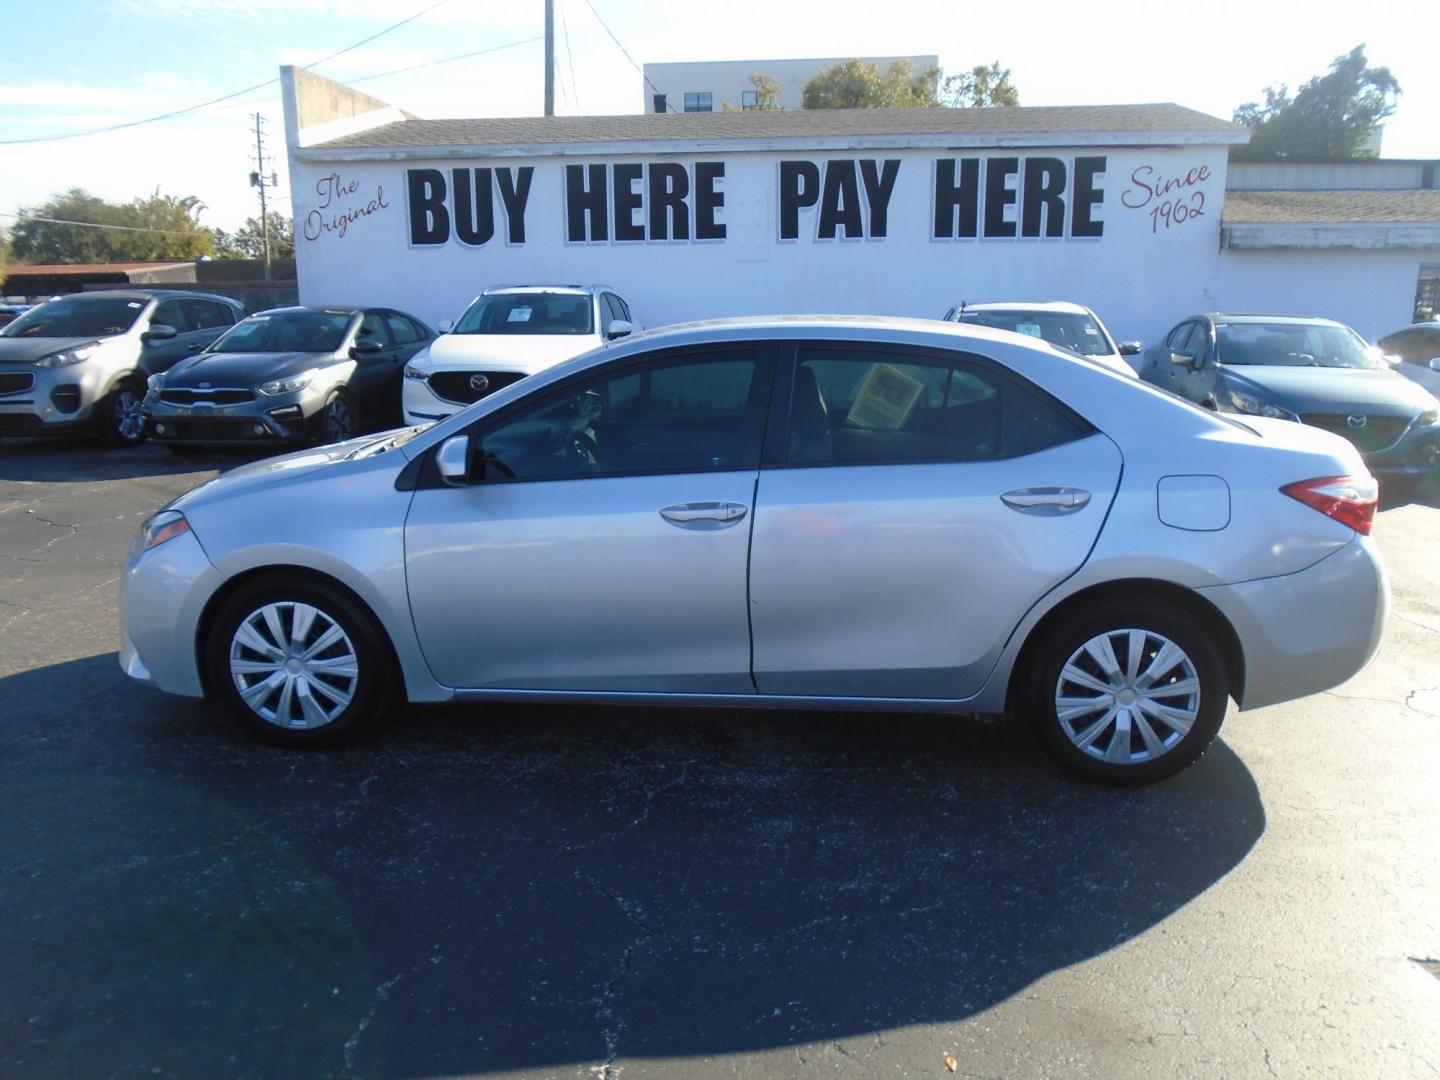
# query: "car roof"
1257 317
329 309
147 294
1062 306
795 326
572 290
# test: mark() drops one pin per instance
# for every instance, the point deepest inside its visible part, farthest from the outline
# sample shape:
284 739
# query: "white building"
710 85
903 212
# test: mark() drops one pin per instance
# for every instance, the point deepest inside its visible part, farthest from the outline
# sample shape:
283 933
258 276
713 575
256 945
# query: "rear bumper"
1309 631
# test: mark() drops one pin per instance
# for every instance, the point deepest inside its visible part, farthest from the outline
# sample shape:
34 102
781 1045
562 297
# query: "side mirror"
445 326
365 347
618 328
158 332
453 460
1130 348
1183 357
1434 364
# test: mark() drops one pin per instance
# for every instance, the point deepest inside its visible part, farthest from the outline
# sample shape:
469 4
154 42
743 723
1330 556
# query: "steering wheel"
579 448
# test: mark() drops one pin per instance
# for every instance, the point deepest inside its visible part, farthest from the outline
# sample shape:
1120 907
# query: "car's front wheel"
336 420
120 416
299 662
1125 694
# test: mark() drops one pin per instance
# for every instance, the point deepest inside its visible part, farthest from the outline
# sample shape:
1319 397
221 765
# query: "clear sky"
76 64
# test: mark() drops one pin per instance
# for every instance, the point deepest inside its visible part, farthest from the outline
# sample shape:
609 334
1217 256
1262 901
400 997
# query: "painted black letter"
708 200
667 189
627 200
1044 186
840 202
515 193
429 220
474 206
585 204
799 186
998 196
1088 193
879 186
951 196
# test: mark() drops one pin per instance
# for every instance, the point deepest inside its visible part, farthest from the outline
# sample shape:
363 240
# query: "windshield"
1292 345
76 316
286 331
528 313
1078 333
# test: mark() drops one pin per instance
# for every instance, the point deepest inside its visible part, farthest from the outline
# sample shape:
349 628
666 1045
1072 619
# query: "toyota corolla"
834 513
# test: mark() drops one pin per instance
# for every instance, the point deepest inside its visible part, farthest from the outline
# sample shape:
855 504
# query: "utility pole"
549 57
258 179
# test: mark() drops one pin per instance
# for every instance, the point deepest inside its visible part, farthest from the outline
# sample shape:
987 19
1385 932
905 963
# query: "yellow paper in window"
886 399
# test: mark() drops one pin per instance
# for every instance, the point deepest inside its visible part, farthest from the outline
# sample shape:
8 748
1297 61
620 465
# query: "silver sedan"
787 512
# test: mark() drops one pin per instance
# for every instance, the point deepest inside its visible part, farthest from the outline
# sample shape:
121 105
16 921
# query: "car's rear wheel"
1126 695
299 662
120 416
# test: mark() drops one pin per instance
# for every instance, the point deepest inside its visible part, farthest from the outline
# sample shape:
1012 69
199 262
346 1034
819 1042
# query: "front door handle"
1046 501
704 515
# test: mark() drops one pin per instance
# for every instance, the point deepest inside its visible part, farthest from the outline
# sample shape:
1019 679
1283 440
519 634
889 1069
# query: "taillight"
1350 500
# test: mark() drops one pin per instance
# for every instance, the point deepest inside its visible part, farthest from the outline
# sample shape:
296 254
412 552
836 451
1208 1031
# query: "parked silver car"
80 363
827 513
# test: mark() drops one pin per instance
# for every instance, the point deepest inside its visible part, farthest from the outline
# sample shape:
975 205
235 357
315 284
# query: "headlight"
1248 403
67 357
166 525
290 385
413 372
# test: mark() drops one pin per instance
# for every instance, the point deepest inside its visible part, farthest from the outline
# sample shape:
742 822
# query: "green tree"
854 84
154 228
979 87
247 242
767 95
1330 116
4 253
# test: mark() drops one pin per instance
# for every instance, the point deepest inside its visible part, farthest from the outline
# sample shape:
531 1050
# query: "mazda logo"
480 383
1356 420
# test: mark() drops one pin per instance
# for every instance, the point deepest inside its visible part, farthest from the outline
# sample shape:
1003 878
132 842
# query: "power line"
97 225
223 97
569 56
626 51
445 60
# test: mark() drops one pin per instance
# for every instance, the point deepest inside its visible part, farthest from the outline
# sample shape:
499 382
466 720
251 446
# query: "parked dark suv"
1314 371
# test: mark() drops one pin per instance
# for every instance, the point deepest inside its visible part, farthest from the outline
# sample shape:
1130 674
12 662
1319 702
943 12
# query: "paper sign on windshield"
518 314
886 399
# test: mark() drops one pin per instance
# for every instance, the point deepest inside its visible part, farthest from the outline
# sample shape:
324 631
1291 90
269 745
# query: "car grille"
1379 432
13 382
216 430
455 385
207 397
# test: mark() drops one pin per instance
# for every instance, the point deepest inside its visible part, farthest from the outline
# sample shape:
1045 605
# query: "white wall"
727 79
1140 276
1373 291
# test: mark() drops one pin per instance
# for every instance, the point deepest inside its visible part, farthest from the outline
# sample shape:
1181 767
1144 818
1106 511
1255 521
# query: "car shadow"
80 460
541 888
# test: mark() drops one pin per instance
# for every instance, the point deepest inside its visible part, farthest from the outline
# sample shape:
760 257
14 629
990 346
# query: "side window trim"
777 431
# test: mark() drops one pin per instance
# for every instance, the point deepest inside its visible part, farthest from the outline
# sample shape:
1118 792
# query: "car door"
207 320
586 557
916 505
1167 373
374 382
1198 380
160 354
408 336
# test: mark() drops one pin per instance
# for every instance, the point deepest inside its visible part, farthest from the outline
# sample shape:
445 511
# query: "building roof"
1023 124
1314 207
56 269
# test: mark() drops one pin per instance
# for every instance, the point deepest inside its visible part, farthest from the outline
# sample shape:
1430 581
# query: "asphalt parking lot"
604 892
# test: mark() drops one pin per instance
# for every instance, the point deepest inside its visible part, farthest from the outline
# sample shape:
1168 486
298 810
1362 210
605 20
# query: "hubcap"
129 418
293 665
337 419
1127 696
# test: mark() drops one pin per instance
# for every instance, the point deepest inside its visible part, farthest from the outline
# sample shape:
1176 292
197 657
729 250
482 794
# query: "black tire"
117 412
371 691
1062 640
337 419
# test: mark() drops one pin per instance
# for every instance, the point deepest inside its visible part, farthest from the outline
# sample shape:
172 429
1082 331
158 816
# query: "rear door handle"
704 515
1046 501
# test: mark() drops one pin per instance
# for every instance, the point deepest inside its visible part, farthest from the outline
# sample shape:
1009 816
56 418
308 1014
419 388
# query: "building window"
699 101
749 99
1427 293
659 102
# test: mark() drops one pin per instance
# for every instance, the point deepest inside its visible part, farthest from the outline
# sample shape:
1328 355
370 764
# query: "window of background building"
749 99
1427 292
699 101
659 102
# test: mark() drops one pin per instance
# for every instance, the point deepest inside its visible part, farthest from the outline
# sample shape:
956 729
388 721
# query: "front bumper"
163 592
282 418
56 400
1416 454
1306 632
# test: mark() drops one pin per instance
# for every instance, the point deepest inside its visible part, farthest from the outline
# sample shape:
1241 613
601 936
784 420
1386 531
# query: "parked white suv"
505 334
1072 327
